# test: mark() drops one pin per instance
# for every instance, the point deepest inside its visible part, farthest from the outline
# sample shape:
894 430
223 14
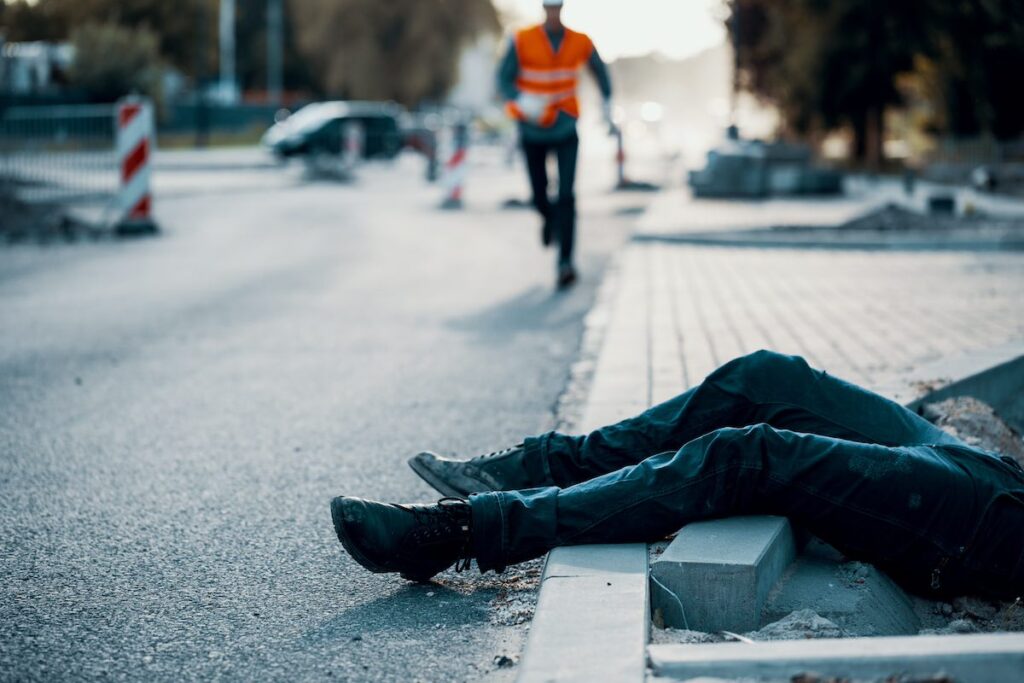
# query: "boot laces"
437 522
495 454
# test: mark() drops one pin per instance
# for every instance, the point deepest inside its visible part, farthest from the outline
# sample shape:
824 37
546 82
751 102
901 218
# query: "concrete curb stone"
976 658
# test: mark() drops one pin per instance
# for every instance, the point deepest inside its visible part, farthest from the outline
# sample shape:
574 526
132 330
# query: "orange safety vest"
549 74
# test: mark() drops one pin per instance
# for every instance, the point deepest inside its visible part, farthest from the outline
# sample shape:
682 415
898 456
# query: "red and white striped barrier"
135 145
624 182
355 139
455 169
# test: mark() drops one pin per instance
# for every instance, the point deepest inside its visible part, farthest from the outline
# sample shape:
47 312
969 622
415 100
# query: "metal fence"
60 153
977 151
983 162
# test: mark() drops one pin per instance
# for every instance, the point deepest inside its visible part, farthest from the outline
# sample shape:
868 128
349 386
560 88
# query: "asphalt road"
177 413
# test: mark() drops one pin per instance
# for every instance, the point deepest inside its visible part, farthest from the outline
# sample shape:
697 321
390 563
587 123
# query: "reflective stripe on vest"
542 76
548 73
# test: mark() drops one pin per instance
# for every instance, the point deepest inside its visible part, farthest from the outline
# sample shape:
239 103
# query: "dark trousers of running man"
559 217
763 434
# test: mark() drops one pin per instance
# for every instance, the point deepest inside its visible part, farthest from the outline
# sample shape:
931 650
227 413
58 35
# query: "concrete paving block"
976 658
599 414
592 617
721 571
857 597
624 388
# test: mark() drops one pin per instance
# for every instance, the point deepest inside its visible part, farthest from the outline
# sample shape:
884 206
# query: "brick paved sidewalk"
680 311
671 313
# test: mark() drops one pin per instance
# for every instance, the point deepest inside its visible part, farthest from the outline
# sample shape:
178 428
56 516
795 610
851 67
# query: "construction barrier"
339 155
355 141
135 142
623 181
455 169
431 144
94 161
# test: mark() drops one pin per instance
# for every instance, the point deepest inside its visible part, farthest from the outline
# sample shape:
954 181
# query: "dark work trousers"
561 215
766 434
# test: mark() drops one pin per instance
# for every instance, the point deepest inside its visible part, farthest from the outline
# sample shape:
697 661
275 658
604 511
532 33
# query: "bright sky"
676 28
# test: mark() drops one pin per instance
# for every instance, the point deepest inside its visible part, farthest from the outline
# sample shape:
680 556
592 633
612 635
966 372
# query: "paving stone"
863 316
721 572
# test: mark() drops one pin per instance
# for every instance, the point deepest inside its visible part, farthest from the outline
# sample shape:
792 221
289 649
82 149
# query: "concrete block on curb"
976 658
721 571
592 617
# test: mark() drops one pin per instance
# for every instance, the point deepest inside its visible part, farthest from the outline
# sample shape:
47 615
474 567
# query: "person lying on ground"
765 434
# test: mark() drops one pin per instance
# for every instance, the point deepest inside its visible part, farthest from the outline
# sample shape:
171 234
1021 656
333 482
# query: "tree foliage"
173 23
976 55
186 32
111 61
829 64
405 50
402 50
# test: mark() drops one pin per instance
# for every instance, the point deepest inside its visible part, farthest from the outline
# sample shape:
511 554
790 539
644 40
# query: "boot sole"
439 484
338 517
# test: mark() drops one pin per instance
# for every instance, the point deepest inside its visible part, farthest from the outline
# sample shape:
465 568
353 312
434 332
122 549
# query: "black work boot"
498 471
566 276
417 541
547 228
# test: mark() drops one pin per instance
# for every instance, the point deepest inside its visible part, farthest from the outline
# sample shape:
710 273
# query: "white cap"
552 3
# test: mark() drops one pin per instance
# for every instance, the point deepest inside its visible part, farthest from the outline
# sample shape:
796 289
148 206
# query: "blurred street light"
275 50
228 86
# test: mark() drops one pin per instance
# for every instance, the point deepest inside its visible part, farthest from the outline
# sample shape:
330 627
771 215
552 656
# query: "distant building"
35 68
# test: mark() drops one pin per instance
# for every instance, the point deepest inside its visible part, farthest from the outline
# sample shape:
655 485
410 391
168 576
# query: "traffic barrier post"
355 140
455 169
135 144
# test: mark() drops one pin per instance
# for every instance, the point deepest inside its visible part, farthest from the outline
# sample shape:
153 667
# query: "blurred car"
320 128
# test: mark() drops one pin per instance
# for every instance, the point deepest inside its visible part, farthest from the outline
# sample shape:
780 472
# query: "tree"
402 50
112 61
186 30
251 39
832 64
828 64
975 59
173 23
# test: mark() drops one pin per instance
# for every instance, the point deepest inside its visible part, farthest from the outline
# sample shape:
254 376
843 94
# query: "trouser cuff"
488 534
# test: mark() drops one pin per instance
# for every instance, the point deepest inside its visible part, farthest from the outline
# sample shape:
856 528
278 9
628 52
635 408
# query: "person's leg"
565 210
762 387
912 510
536 156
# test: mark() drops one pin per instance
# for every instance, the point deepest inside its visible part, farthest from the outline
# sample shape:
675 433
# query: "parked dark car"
320 128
